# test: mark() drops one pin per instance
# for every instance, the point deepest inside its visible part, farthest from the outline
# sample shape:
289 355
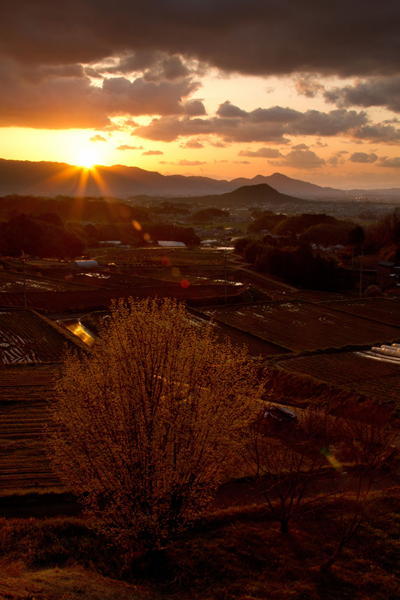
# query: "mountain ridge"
49 178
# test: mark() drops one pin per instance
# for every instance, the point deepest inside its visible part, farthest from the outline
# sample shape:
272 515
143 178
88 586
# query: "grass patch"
233 554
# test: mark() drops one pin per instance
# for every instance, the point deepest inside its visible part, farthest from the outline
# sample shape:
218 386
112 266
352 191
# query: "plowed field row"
301 326
376 379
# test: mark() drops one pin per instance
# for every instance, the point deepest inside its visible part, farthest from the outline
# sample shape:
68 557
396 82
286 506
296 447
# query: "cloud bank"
247 36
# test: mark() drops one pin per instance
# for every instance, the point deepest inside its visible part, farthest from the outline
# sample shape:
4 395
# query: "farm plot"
377 309
300 326
25 393
101 298
379 380
13 282
274 289
159 256
256 346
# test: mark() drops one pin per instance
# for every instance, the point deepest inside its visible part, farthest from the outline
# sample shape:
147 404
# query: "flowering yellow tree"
146 426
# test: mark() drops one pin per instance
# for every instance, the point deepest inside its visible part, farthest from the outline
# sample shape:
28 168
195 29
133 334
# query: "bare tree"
367 449
147 425
286 460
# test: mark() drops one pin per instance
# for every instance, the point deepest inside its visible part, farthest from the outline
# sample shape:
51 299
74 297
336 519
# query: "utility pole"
225 276
23 256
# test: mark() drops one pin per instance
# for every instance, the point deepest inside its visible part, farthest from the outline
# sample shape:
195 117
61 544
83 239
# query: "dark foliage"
265 220
383 234
238 554
298 265
87 209
170 208
173 232
297 224
241 244
331 234
207 214
38 237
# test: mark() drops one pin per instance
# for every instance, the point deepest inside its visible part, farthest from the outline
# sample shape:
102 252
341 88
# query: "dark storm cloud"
248 36
141 60
376 91
307 85
336 159
378 132
300 147
194 108
168 129
261 152
154 65
192 144
363 157
260 125
63 97
230 111
393 163
170 67
301 159
314 122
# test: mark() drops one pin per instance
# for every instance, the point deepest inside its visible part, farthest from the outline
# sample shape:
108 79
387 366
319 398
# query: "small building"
112 243
171 244
388 274
86 263
209 243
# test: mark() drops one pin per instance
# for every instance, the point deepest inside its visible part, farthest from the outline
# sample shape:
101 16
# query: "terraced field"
302 326
379 380
378 309
25 394
157 256
98 299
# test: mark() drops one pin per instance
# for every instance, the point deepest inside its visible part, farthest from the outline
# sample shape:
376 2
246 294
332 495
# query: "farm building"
111 243
26 337
388 274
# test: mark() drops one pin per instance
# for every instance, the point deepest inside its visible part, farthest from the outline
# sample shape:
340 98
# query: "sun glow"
86 158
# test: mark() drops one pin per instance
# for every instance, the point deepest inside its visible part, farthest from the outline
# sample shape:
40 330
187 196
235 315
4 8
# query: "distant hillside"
249 195
298 188
53 179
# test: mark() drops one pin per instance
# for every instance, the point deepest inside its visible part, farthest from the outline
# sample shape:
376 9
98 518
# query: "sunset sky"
222 89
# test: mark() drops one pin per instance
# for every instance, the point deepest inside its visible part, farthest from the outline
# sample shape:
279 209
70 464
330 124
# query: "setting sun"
86 158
